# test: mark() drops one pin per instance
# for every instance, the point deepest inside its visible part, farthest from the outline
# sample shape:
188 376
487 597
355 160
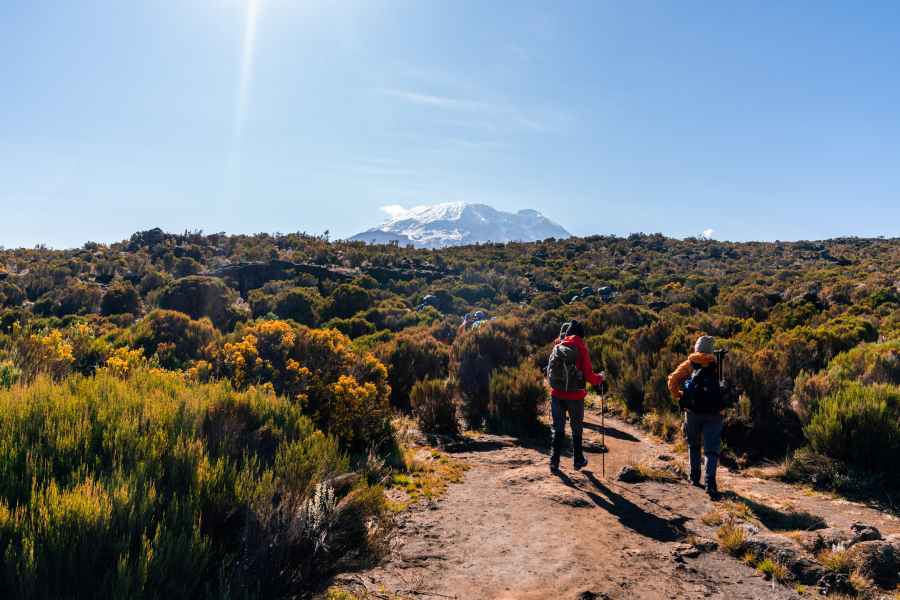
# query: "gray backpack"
562 370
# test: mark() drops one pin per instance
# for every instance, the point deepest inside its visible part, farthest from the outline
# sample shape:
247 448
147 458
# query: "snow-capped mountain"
460 223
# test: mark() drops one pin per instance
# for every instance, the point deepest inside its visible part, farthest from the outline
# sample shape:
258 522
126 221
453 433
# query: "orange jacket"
685 369
584 365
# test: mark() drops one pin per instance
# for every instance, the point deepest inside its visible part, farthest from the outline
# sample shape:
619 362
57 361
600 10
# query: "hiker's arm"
677 378
587 368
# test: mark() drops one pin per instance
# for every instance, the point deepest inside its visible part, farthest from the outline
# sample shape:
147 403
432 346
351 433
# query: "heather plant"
434 407
199 297
145 485
859 425
120 298
412 357
475 355
173 337
517 396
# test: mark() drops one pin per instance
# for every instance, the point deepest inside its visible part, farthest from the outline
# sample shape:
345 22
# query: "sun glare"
248 43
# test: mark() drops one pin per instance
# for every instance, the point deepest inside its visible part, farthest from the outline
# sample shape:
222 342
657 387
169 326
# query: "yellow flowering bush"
124 360
345 392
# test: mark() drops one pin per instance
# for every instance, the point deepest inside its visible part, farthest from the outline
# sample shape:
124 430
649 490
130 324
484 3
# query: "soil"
514 530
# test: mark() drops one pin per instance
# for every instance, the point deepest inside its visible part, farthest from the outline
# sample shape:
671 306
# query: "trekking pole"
603 433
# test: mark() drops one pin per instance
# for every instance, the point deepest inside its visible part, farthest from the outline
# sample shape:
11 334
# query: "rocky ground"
512 529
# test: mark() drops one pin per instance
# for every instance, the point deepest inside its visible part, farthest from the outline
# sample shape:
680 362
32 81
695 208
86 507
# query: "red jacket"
584 365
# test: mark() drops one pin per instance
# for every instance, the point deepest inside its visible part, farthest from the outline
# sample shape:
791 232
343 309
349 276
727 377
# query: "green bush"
173 337
412 357
346 300
353 327
859 425
475 355
120 298
152 486
434 407
517 397
302 305
200 297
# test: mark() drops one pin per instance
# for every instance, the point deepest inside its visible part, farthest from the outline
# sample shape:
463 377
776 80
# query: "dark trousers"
558 410
705 428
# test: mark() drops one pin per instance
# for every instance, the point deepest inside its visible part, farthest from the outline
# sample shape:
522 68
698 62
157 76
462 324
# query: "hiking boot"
554 464
696 483
580 463
713 492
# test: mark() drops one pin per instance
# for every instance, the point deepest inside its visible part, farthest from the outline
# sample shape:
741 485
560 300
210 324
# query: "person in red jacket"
570 398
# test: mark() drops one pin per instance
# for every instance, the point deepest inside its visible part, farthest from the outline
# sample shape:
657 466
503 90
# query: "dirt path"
514 530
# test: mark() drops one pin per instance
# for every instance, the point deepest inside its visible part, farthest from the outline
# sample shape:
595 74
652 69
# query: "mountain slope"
459 223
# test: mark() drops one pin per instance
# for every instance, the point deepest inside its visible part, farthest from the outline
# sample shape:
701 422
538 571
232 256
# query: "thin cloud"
708 233
394 211
483 114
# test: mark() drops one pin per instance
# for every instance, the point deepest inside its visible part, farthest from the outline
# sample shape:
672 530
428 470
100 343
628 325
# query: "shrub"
732 538
173 337
353 327
150 485
200 297
434 407
859 425
476 354
11 294
412 357
77 298
346 300
344 391
120 298
517 396
302 305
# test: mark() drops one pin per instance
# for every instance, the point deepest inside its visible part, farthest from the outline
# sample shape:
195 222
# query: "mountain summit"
460 223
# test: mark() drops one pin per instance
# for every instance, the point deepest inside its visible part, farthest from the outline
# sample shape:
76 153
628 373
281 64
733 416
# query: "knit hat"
576 328
705 344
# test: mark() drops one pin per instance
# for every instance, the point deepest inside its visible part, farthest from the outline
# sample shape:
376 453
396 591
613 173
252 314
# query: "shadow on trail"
612 432
630 514
777 519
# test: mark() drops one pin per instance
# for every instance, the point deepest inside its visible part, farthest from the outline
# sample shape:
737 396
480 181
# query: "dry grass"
732 538
713 518
837 561
427 473
663 425
773 570
651 473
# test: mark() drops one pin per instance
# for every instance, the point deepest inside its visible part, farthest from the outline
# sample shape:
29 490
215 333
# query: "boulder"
782 550
864 533
825 539
629 474
834 583
875 560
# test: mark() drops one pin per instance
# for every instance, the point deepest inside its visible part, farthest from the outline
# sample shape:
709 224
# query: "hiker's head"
575 328
705 344
564 330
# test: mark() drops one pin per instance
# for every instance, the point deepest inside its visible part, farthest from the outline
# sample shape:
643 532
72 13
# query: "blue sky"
755 120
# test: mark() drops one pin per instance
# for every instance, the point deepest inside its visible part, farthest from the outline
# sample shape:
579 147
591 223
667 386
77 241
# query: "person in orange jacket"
703 413
569 371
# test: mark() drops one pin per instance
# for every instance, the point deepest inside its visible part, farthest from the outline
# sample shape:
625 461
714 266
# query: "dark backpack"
562 370
701 392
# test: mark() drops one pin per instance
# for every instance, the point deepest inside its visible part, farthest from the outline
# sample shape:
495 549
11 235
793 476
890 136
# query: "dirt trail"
514 530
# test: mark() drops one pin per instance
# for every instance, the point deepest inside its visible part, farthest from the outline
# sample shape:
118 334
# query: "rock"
682 551
864 533
589 595
825 539
782 550
875 560
629 474
834 583
894 541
